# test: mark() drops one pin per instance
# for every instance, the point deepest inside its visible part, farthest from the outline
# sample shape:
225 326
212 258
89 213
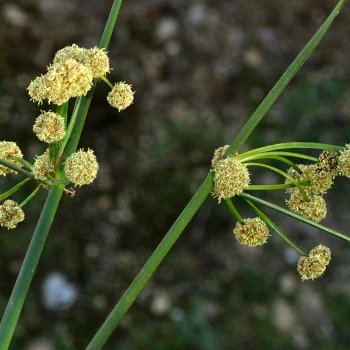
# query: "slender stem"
107 81
281 159
243 157
29 265
30 197
275 228
274 187
23 162
296 216
151 265
13 189
234 211
64 182
287 176
18 169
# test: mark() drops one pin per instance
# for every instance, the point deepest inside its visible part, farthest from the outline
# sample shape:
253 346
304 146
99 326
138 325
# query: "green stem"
23 162
287 176
296 216
30 197
64 182
274 187
107 81
18 169
243 157
269 222
234 211
29 265
13 189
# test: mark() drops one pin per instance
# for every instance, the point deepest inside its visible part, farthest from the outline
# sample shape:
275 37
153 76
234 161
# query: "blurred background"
199 69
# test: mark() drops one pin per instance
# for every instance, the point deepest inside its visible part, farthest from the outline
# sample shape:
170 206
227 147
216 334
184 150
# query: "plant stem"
13 189
30 197
18 169
234 211
244 158
107 82
274 187
29 265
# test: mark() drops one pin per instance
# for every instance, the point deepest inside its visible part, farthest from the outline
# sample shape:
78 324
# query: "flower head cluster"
121 96
7 150
314 209
218 153
10 214
49 127
231 178
253 233
344 161
43 166
329 162
70 75
314 265
81 167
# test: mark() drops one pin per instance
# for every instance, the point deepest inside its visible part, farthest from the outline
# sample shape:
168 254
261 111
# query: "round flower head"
121 96
8 149
218 153
231 178
310 267
81 167
329 160
43 166
49 127
322 252
315 209
95 59
10 214
319 176
36 90
344 161
253 233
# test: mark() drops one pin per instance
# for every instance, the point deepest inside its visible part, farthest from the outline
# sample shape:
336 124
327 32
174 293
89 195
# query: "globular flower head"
81 167
8 149
231 178
344 161
218 153
10 214
121 96
253 233
43 166
49 127
36 90
329 160
315 209
314 265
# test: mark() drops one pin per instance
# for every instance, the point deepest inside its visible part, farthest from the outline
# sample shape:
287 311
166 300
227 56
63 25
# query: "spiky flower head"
344 161
36 90
218 153
319 176
329 160
10 214
121 96
81 167
315 209
314 265
231 178
43 166
95 59
49 127
253 233
8 149
322 252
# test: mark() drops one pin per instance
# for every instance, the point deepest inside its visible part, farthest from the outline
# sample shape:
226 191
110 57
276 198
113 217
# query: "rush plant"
73 74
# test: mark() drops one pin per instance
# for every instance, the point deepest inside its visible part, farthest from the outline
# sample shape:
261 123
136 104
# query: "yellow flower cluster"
7 150
43 166
10 214
49 127
121 96
253 233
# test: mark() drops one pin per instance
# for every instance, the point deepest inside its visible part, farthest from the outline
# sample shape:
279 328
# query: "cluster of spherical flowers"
43 166
230 179
49 127
121 96
7 150
70 75
81 167
314 265
254 232
10 214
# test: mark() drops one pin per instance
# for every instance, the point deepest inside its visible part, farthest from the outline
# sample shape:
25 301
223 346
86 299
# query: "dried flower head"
344 161
315 209
310 267
253 233
121 96
43 166
95 59
49 127
319 176
322 252
8 149
218 153
329 160
81 167
10 214
231 178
